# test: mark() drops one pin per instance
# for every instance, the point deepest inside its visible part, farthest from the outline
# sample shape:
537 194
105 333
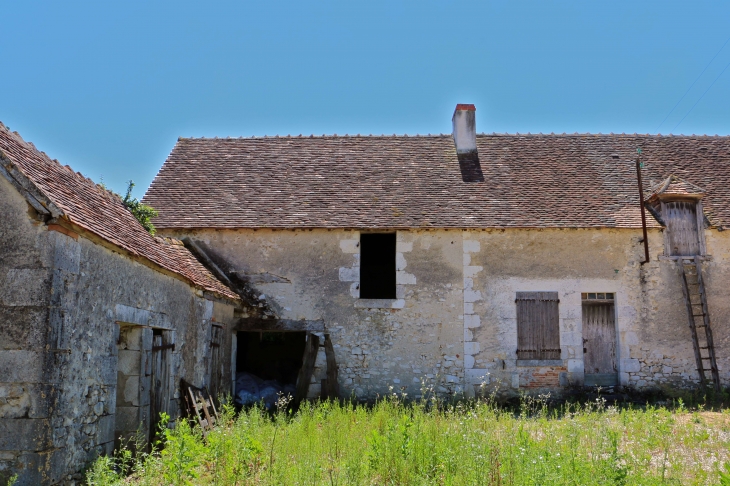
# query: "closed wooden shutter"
538 325
681 219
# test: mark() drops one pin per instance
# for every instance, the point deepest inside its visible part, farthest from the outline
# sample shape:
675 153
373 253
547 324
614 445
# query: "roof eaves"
34 195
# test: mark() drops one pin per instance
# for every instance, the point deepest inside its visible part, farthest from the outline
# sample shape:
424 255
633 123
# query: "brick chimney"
465 129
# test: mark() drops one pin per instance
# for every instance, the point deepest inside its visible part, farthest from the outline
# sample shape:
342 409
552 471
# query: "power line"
703 95
695 82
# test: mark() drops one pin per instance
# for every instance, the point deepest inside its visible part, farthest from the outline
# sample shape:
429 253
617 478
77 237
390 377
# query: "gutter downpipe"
641 205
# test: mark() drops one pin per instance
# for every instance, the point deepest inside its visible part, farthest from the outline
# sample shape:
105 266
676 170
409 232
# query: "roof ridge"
442 135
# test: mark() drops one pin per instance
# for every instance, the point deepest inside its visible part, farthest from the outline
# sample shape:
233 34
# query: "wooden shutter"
538 325
681 219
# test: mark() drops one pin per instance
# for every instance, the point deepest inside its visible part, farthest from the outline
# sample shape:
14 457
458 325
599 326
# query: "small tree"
142 212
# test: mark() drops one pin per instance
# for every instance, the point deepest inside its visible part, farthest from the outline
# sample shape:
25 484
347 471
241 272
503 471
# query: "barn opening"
267 363
377 266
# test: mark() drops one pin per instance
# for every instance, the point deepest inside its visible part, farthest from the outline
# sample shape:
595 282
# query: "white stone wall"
453 324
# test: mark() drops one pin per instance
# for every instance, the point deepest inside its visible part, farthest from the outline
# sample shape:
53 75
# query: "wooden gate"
681 219
599 342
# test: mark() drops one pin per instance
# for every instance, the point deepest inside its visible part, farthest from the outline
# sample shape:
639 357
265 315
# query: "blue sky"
107 87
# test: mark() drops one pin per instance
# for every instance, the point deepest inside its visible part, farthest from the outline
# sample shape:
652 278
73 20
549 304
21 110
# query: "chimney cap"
465 106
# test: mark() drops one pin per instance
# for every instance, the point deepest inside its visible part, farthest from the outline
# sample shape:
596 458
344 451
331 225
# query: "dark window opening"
377 266
267 363
538 325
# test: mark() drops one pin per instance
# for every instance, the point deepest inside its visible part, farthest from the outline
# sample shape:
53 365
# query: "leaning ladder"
695 299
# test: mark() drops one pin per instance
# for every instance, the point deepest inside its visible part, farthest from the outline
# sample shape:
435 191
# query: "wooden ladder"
695 299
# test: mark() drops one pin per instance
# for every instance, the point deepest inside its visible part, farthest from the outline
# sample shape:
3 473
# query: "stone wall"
63 299
453 324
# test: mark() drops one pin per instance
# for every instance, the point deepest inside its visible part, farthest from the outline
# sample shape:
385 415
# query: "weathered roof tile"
530 181
96 210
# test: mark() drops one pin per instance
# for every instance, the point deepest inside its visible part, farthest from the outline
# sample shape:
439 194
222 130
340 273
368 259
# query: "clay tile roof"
92 208
529 181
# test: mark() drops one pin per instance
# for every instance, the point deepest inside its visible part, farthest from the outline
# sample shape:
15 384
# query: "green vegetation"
142 212
467 443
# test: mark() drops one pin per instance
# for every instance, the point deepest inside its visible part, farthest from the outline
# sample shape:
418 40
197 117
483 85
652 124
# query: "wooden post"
305 373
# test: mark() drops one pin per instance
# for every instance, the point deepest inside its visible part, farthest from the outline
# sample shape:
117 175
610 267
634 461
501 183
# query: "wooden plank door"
145 382
681 219
599 343
160 377
216 365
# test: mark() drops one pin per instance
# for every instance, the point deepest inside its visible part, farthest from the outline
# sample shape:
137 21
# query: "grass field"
469 443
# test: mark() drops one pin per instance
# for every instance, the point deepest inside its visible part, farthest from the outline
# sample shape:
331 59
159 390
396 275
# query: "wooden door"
599 343
159 378
681 219
215 387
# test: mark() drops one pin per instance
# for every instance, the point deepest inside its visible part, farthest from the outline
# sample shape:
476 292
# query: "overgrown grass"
475 443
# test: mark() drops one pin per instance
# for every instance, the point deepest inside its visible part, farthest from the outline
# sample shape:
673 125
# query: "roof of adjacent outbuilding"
530 181
92 208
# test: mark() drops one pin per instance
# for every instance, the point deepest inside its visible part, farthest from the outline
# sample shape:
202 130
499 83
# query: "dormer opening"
679 204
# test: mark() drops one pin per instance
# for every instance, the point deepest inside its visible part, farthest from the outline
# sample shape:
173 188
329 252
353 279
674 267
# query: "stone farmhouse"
454 262
99 320
354 266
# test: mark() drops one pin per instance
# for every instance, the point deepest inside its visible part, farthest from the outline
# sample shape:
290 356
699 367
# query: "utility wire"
695 82
703 95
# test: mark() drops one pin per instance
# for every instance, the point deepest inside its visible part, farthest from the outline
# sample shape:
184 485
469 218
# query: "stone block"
67 252
400 261
22 434
351 246
108 370
127 419
105 429
130 393
26 287
468 335
131 315
471 271
630 365
571 338
630 338
129 362
575 366
22 328
403 246
471 246
471 348
468 362
476 375
18 366
472 320
472 295
348 274
404 278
